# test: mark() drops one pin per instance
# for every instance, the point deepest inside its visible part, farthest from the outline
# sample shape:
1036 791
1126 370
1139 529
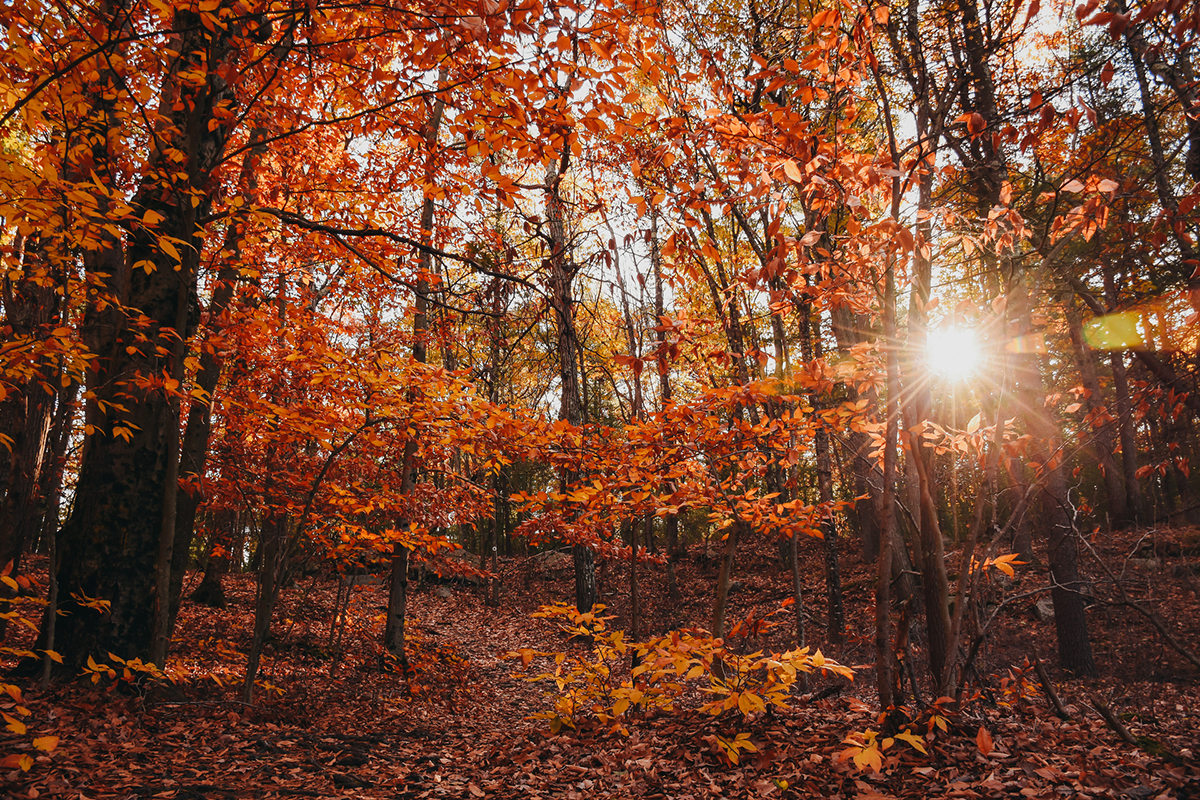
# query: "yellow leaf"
169 249
15 725
152 218
913 740
869 757
10 583
46 743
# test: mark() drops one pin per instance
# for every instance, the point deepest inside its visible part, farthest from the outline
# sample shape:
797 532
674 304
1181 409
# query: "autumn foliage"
337 295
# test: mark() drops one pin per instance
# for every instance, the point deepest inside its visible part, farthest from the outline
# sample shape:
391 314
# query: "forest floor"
462 728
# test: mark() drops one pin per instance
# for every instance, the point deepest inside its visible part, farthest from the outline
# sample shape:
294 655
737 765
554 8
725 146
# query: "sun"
952 353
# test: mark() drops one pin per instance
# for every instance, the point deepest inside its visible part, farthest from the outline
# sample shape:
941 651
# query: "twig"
1155 620
1111 720
1048 690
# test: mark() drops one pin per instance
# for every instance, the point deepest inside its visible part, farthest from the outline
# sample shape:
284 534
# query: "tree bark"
110 542
394 634
194 449
1102 427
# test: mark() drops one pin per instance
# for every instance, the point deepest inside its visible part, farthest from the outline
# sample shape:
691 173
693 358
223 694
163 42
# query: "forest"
599 398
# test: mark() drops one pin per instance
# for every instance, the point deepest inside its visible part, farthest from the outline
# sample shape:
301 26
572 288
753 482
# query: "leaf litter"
333 721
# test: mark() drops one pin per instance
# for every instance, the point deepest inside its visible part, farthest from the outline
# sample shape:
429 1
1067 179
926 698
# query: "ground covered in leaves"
331 721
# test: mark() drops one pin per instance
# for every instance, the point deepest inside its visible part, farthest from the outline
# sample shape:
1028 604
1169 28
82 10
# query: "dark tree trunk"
110 543
394 633
663 365
562 274
31 310
1103 427
1046 454
194 448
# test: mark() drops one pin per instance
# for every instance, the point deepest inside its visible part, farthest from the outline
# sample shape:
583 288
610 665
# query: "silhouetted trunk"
1125 422
1046 454
562 274
109 545
273 551
850 329
810 348
31 310
1103 423
194 449
884 658
662 363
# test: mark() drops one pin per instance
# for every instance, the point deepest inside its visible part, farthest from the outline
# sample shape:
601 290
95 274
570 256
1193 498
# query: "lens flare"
952 353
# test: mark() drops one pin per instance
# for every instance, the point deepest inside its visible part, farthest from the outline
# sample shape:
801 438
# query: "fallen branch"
1155 620
1048 690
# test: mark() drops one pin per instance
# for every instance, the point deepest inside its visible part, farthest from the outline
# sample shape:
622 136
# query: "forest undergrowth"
335 719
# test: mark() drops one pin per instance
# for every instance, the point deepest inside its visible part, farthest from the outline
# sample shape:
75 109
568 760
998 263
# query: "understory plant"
615 678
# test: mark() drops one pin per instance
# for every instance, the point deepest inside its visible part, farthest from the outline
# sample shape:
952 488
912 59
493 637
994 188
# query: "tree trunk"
270 577
1102 429
722 601
562 274
884 657
194 449
662 363
1046 454
394 625
110 542
31 310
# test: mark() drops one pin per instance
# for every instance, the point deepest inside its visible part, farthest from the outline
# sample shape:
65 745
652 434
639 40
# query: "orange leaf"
46 743
983 740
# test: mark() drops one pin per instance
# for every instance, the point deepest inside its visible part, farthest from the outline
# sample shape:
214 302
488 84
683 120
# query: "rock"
1044 609
1144 563
554 560
349 782
444 592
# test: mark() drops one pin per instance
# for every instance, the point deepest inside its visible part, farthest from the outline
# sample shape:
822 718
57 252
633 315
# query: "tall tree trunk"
272 564
1102 427
884 657
397 613
723 579
810 347
663 364
850 329
31 311
109 544
1046 454
562 274
194 449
